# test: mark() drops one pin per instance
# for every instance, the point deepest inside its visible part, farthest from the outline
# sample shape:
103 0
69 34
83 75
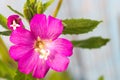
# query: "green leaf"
21 76
79 26
15 11
3 21
101 78
5 33
47 4
93 42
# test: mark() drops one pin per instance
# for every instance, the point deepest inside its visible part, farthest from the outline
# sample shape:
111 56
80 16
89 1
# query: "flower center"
14 25
39 47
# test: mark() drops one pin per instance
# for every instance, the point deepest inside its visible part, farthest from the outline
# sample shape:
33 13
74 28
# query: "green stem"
15 11
57 8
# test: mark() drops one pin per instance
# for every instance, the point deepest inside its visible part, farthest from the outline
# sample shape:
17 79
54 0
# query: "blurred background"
87 64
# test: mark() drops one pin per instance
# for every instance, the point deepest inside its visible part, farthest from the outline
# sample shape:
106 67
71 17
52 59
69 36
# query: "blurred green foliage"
21 76
59 76
101 78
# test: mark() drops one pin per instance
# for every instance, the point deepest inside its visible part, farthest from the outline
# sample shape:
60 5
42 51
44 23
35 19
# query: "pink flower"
40 49
14 22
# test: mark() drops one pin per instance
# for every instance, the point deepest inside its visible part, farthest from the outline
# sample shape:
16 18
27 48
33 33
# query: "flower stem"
57 8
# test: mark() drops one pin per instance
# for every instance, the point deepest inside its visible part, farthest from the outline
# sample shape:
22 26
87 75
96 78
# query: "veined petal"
27 63
55 27
61 46
17 51
38 26
46 29
22 36
40 69
57 62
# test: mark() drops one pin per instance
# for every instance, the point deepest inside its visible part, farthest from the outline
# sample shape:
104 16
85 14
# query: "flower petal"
57 62
38 25
22 36
17 51
27 63
40 69
55 27
46 29
61 46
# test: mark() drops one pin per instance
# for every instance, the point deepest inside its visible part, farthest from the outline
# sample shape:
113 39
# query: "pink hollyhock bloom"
40 49
14 22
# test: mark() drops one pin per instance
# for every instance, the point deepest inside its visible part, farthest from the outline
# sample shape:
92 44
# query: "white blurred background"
87 64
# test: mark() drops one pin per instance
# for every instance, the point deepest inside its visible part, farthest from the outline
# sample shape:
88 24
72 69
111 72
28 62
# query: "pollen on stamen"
39 47
44 54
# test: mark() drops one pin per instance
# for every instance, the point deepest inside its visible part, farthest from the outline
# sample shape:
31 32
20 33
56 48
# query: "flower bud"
32 3
27 12
39 7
